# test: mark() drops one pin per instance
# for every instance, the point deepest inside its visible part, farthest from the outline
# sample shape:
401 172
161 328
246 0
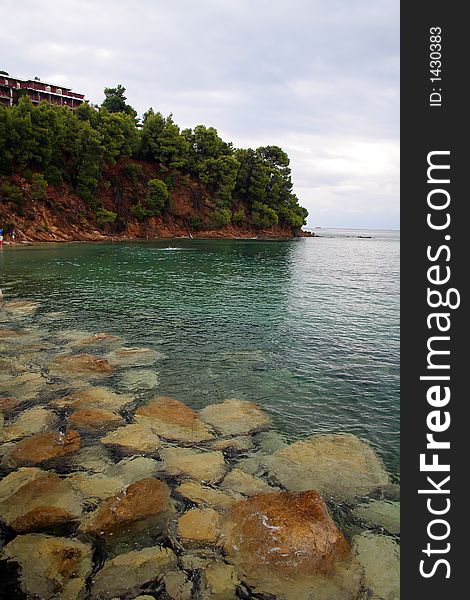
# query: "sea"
307 328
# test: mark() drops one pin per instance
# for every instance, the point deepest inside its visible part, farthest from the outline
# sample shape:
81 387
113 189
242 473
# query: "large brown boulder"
32 499
143 505
94 397
286 544
95 419
288 532
173 420
81 364
41 448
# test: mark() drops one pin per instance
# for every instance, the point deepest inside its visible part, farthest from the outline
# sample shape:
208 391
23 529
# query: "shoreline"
106 239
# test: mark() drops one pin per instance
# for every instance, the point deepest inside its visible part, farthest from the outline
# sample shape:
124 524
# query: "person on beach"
1 237
12 236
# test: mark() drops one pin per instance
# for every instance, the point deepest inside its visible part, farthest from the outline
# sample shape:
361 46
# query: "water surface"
307 328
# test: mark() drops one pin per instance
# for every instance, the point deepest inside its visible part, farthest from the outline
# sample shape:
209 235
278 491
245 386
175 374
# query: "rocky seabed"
109 489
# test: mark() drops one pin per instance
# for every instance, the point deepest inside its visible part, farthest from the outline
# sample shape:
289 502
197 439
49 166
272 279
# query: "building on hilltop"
13 88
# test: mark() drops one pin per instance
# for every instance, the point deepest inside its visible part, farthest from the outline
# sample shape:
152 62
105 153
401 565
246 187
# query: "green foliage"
295 215
133 172
119 136
28 175
170 181
204 144
157 197
162 141
115 101
197 224
38 186
139 212
220 217
220 176
79 148
263 216
105 216
53 175
12 192
238 216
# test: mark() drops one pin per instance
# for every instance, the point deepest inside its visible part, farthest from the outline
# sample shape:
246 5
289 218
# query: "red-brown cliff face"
63 216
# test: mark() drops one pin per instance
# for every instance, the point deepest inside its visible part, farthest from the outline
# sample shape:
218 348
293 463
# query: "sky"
318 78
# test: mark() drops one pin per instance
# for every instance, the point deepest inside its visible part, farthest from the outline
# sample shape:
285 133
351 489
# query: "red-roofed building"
12 88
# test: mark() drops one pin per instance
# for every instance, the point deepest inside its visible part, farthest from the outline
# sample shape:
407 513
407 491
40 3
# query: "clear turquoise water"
307 328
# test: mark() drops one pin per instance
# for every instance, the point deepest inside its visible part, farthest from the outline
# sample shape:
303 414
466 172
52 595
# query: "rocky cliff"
61 215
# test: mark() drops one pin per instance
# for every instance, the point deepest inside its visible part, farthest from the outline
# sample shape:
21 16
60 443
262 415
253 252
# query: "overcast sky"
318 77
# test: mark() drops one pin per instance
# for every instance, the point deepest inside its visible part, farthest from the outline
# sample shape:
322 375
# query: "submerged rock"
91 458
133 357
219 581
30 422
235 417
95 419
32 499
198 558
270 441
128 573
380 513
173 420
94 397
178 586
206 496
139 380
380 557
26 385
244 483
286 544
8 334
8 404
95 486
21 308
40 448
233 445
9 367
199 526
337 465
133 439
206 467
113 478
289 532
50 567
143 506
83 338
81 365
133 469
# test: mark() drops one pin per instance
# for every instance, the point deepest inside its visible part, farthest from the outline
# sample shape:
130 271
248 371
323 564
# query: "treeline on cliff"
49 145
